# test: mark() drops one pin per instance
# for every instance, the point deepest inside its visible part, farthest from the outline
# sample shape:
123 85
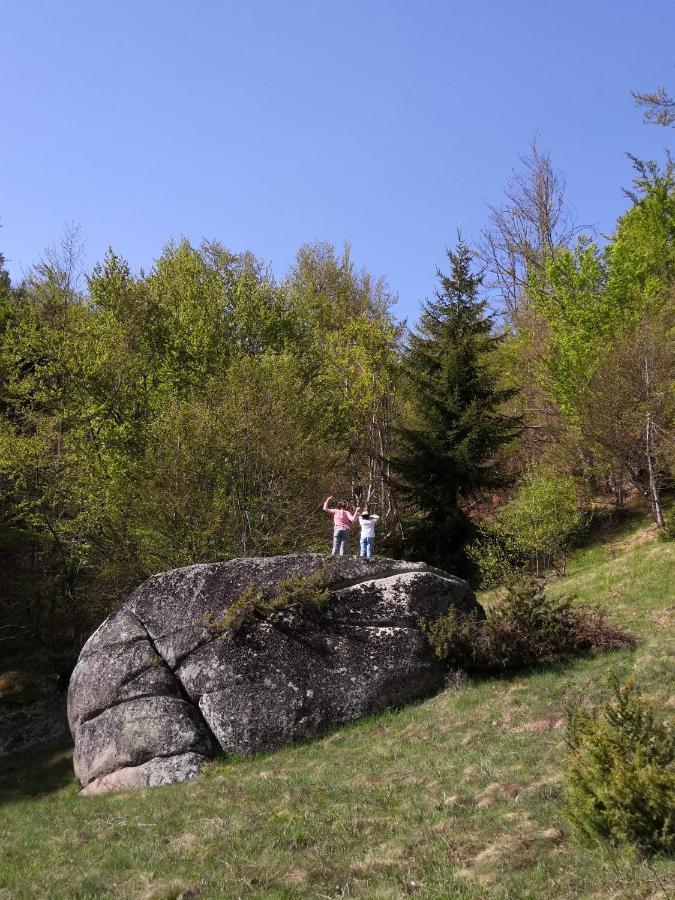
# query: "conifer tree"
449 447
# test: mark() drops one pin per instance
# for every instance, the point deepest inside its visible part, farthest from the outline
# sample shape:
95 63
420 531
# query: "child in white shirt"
367 523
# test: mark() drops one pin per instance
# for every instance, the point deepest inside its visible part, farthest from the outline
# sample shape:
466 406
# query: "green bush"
621 772
499 555
524 628
307 595
667 533
453 638
529 627
534 531
310 594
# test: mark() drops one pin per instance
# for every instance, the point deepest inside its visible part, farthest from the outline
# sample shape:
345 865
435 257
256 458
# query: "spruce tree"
449 447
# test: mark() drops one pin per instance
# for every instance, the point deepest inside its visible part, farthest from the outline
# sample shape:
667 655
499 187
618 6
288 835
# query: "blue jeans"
340 536
367 546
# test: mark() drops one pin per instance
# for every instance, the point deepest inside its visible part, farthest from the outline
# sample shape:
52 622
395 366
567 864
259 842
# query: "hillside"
459 796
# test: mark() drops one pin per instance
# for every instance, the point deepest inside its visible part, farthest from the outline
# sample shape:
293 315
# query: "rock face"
156 692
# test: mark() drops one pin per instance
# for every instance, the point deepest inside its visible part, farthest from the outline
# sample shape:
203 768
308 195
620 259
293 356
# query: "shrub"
240 612
534 531
667 533
621 772
499 555
523 629
310 594
529 627
307 595
453 638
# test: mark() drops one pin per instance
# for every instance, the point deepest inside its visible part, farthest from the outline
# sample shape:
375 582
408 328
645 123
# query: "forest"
203 408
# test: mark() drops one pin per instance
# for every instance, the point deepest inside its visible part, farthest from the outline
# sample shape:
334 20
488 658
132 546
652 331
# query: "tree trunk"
653 487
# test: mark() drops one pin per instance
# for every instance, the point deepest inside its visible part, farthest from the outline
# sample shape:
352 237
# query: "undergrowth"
525 628
667 533
621 771
308 595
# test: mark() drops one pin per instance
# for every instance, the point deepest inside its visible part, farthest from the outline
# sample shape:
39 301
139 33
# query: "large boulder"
158 691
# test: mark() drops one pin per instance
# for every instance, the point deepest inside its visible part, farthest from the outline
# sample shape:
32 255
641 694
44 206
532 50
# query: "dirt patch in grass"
545 785
384 859
516 849
415 733
278 776
296 876
173 889
665 618
451 800
509 790
641 536
188 842
538 726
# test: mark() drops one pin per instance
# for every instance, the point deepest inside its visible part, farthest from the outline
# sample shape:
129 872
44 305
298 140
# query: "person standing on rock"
367 521
342 522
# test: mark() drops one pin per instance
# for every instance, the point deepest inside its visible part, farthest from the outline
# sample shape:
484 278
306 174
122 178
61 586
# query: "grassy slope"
460 796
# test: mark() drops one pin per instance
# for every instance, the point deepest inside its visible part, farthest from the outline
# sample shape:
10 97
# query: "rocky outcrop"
158 691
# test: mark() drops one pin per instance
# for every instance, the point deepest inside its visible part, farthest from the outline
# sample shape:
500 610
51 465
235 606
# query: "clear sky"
269 123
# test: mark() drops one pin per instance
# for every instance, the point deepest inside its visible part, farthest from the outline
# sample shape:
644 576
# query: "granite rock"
157 692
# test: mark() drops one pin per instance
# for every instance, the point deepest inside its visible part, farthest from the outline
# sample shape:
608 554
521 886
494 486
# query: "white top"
368 525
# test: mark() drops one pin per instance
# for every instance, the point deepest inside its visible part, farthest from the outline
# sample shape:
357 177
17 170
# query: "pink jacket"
341 517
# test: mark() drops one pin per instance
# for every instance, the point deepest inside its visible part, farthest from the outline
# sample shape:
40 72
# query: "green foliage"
591 299
532 532
196 412
580 316
307 596
641 255
629 411
542 628
621 771
546 515
667 533
240 612
499 555
607 359
453 638
450 443
524 628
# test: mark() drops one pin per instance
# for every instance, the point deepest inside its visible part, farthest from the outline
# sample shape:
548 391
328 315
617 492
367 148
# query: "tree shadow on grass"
37 771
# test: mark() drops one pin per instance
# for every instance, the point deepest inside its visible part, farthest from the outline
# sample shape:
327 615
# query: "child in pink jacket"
342 522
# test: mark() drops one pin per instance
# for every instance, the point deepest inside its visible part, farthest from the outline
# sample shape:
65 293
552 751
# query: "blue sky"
267 124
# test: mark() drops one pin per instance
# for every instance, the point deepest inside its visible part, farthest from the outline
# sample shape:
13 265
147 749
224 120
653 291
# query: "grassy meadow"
460 796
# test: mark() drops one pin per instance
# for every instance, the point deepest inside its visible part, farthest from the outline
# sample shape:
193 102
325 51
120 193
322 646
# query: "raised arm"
326 507
353 515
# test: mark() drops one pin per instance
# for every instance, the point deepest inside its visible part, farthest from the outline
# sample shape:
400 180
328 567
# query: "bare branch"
526 229
659 107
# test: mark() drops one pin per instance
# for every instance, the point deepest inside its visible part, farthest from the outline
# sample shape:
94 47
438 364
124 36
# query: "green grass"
456 797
